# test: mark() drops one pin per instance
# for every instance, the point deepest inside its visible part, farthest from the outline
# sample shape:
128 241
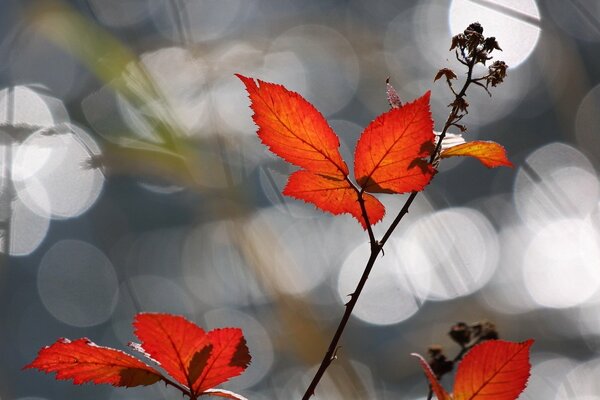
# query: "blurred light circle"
190 21
185 91
122 13
581 383
560 266
547 372
506 292
332 68
77 283
281 67
388 296
257 338
555 181
23 105
27 228
514 23
281 242
214 268
70 187
587 122
457 247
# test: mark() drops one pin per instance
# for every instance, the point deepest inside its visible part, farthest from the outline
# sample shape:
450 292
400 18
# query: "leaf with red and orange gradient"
229 357
294 129
83 361
437 389
172 341
391 153
336 196
491 154
493 370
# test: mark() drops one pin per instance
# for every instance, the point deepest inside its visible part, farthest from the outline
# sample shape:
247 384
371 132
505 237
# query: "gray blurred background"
132 180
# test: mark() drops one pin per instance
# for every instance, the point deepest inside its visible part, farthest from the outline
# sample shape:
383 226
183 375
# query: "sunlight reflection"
70 187
560 266
457 246
555 181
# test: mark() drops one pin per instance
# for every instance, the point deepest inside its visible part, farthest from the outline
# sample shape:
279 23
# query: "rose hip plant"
398 152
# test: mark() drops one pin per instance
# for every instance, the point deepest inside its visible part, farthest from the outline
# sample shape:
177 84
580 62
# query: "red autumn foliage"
196 360
494 369
389 158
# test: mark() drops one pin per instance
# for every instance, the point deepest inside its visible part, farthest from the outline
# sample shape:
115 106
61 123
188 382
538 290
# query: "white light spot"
77 283
560 266
69 186
458 247
388 296
556 181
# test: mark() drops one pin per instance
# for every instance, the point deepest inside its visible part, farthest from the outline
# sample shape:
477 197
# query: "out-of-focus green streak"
112 62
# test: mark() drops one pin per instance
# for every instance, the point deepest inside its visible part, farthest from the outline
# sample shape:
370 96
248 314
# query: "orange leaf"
491 154
293 129
389 156
336 196
172 341
84 361
229 358
494 370
437 389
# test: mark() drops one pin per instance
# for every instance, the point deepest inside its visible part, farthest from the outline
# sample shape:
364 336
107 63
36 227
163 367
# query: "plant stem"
330 354
377 246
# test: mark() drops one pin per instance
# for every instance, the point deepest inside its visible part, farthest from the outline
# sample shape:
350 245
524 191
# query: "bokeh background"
132 180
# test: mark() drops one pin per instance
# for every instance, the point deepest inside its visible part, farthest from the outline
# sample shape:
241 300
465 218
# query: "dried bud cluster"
466 336
438 362
471 47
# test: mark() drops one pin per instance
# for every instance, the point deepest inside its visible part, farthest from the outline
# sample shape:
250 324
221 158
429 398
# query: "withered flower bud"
460 333
438 362
475 27
461 104
447 72
484 330
497 73
491 44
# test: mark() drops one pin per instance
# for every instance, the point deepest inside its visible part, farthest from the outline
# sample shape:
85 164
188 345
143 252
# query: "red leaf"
172 341
194 358
84 361
293 129
491 154
389 156
437 389
494 370
229 358
336 196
